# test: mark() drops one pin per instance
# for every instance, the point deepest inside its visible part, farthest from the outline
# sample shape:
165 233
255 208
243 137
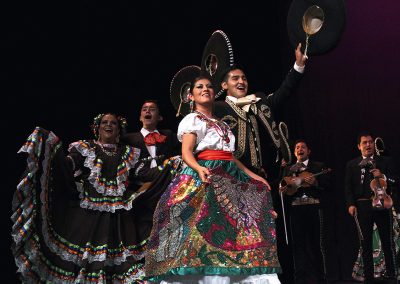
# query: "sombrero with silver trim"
217 57
180 88
324 21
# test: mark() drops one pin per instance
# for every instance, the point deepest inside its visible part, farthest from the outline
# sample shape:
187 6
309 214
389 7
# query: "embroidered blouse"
210 133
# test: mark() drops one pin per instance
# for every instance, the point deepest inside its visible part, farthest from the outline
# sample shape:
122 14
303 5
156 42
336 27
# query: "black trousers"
384 222
306 223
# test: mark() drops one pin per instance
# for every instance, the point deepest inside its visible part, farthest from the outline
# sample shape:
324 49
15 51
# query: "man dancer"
247 114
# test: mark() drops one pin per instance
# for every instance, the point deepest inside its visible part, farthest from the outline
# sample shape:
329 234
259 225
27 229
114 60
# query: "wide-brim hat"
217 57
180 88
327 38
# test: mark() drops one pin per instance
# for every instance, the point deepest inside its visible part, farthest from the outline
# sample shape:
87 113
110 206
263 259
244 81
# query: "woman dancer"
75 220
215 222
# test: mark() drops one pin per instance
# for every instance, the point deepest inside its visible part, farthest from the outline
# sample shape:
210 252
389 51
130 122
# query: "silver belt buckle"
305 200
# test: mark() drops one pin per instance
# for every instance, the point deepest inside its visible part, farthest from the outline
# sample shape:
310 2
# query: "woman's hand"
204 174
250 173
274 214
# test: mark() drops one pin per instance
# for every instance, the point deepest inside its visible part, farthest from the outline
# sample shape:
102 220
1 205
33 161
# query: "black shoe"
369 281
388 276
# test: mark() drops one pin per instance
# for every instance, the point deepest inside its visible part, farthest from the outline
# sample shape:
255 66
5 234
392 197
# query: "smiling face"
301 151
108 129
203 93
150 116
366 146
236 84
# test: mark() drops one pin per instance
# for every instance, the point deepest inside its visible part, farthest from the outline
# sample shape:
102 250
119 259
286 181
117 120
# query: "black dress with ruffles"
80 218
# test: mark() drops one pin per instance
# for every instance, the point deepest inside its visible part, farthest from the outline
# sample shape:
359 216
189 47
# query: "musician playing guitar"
359 196
304 182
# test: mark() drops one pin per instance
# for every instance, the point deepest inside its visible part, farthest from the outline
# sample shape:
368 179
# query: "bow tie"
154 137
297 167
246 102
367 162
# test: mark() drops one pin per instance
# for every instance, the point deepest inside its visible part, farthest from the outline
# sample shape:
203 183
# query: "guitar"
290 185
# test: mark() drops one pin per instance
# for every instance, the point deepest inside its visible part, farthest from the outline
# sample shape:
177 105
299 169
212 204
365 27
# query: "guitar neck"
320 173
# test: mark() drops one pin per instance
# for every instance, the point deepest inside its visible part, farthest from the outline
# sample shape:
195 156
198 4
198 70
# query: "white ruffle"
39 268
95 171
192 124
220 279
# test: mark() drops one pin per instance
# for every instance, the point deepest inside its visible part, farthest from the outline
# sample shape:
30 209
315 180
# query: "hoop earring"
191 105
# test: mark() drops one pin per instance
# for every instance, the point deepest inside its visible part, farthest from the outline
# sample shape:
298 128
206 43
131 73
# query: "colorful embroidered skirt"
221 228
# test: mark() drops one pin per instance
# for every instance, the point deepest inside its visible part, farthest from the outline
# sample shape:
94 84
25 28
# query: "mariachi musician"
304 182
361 176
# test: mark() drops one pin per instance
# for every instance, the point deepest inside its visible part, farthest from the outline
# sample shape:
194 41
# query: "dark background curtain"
64 64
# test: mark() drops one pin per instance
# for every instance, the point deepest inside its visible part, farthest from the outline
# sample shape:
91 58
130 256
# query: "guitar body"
291 184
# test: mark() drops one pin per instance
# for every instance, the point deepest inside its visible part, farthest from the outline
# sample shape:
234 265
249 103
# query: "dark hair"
363 134
97 120
151 101
201 77
224 76
301 141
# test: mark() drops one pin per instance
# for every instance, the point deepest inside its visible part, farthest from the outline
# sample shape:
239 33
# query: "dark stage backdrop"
65 64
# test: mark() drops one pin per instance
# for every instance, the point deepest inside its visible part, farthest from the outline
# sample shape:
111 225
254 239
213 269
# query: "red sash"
215 155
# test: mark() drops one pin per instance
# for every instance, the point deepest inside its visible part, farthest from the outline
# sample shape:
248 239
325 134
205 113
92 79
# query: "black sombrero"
180 87
334 19
217 57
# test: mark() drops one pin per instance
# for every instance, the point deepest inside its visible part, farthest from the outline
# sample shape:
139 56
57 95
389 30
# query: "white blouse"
209 136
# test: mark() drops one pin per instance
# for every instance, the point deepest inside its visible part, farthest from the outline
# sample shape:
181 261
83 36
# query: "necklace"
108 149
220 127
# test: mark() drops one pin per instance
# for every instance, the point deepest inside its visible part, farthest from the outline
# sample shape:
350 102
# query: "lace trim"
128 161
35 267
107 204
24 204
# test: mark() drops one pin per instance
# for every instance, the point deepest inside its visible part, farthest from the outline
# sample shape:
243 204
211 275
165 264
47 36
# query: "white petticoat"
218 279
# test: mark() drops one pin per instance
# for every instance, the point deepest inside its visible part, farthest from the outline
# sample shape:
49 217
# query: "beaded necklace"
108 149
221 128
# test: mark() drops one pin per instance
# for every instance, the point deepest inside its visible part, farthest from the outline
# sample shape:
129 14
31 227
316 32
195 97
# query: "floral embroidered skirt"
223 228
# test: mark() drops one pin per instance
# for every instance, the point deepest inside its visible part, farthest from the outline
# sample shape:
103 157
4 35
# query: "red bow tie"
154 137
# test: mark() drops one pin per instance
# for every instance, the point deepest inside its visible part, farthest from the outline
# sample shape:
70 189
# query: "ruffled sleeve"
75 159
192 124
